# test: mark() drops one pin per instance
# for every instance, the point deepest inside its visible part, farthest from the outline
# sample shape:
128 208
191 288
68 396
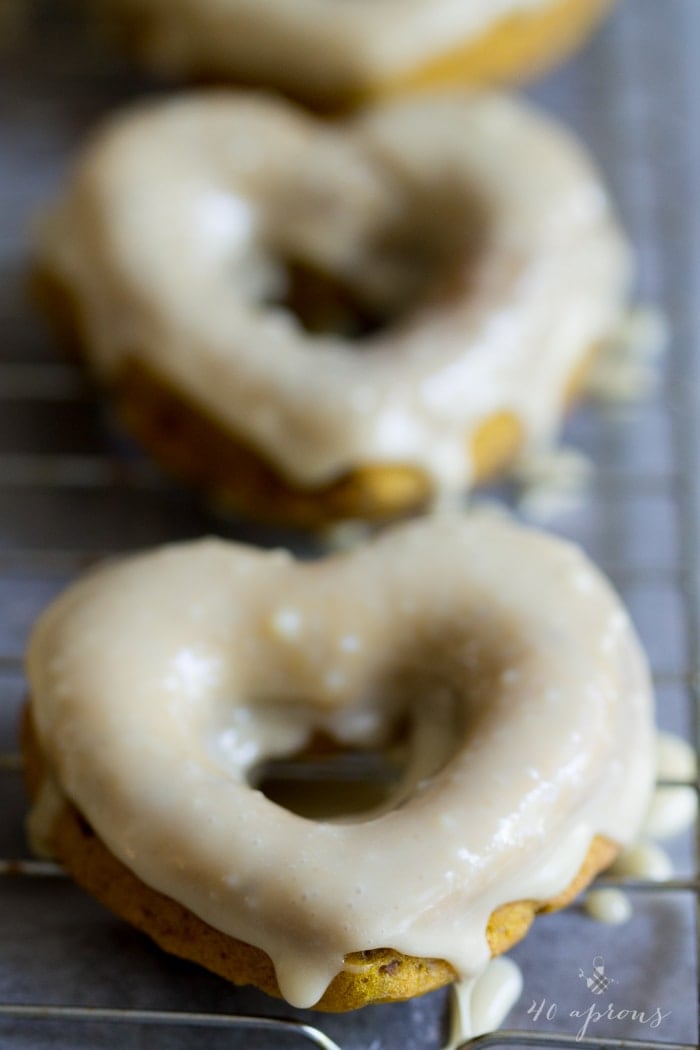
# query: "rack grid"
73 491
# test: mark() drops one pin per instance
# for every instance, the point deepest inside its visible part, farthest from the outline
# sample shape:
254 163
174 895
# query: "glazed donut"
332 55
159 685
317 322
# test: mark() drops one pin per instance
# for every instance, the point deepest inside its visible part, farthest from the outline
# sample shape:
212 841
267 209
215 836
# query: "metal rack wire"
70 493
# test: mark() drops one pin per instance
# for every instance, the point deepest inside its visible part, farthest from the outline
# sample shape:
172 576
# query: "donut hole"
328 780
343 742
324 305
422 253
365 764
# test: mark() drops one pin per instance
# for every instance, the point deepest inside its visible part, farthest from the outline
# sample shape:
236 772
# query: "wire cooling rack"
71 491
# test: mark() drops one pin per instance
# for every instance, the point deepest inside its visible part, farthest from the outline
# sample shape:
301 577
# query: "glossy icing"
478 223
610 906
481 1004
644 860
674 806
159 684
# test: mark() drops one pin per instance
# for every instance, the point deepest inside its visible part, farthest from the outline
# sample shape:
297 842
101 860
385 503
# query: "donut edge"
374 976
198 451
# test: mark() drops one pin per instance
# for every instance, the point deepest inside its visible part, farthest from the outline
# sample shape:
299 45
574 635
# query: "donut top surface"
450 259
160 684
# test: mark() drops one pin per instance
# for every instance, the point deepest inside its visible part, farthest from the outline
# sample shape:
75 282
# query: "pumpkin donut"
159 685
316 322
334 55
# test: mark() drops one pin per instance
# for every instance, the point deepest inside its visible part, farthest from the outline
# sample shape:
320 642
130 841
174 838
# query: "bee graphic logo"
598 981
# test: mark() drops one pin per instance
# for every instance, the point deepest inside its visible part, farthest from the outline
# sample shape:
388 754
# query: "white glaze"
315 45
169 232
345 536
644 860
627 367
672 810
481 1004
551 481
157 684
675 759
610 906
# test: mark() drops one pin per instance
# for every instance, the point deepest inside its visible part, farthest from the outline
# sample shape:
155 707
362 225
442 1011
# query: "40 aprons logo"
598 983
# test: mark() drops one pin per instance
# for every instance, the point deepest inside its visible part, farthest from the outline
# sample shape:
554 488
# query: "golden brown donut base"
195 448
199 451
516 48
377 975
